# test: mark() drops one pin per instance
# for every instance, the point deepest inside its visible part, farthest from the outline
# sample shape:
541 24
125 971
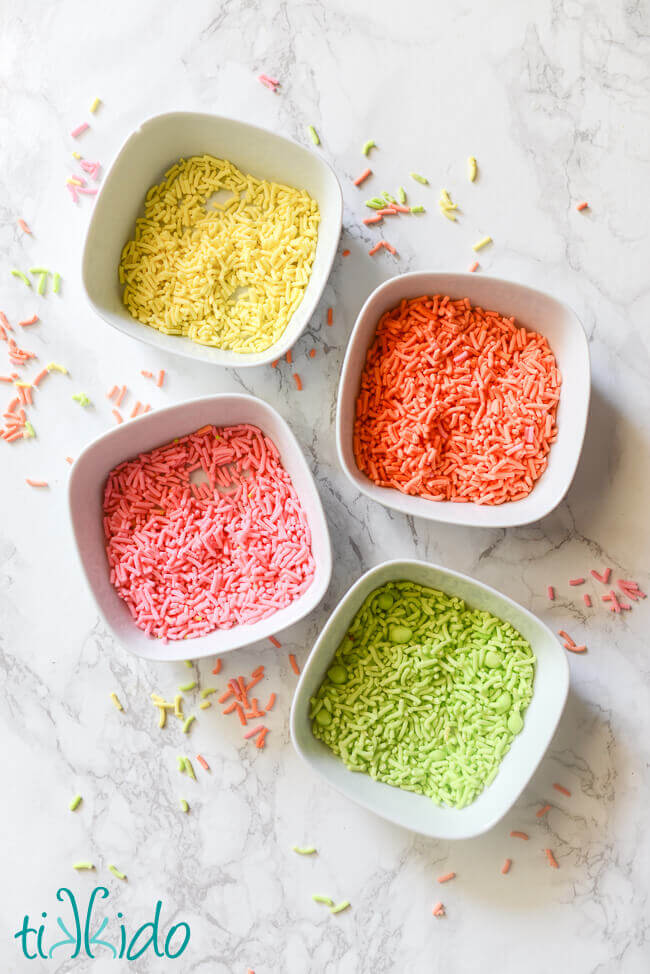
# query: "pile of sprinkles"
188 557
226 274
456 403
425 693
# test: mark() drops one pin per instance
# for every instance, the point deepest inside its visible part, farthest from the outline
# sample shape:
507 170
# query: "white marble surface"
552 98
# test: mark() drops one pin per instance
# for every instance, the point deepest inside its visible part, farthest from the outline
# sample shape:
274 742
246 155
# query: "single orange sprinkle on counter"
575 649
118 416
586 598
330 316
576 581
298 381
362 178
69 460
542 811
28 321
161 378
109 395
260 743
565 791
294 664
566 636
23 226
217 667
446 877
551 858
474 267
273 640
136 409
146 373
36 483
120 397
274 364
582 206
519 835
505 868
269 705
312 353
204 764
346 253
289 357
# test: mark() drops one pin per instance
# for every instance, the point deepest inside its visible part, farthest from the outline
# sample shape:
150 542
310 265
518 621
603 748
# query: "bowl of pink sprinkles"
200 522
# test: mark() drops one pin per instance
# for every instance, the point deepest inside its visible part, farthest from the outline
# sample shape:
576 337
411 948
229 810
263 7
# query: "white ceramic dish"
404 808
532 309
85 496
156 145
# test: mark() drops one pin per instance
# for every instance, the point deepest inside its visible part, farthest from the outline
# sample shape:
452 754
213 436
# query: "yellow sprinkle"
76 155
116 872
55 367
184 806
482 243
116 701
75 803
84 864
74 182
163 717
471 169
205 705
95 105
449 213
178 706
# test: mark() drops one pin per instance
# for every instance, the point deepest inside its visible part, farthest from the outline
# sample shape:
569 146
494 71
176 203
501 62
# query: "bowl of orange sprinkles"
464 400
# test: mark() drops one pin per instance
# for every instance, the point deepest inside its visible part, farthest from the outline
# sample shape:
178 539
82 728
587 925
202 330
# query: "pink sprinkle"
587 599
576 581
582 206
79 130
73 192
438 910
631 590
90 167
254 732
36 483
23 226
86 192
550 591
461 357
604 578
204 764
161 378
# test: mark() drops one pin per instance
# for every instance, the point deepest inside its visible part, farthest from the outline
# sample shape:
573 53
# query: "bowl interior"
86 489
145 156
416 812
532 309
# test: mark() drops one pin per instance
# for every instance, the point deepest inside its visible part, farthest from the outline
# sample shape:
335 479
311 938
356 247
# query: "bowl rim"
278 348
299 697
457 514
267 626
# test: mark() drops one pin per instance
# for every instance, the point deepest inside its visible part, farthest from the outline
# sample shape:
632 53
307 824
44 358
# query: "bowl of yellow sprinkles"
212 239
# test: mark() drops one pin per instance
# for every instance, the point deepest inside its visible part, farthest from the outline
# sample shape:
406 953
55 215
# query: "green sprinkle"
304 850
208 692
317 898
367 146
375 204
389 198
184 806
23 277
425 693
116 872
343 905
188 722
419 179
181 763
82 399
314 134
75 803
29 431
401 194
418 209
39 270
84 864
56 283
42 281
186 687
189 663
189 768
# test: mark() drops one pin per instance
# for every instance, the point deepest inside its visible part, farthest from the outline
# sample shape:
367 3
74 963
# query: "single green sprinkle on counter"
419 179
184 806
327 900
313 134
181 763
75 803
188 723
376 203
305 850
367 146
84 864
29 432
56 283
82 399
208 691
189 663
343 905
417 209
186 687
189 768
401 195
425 693
116 872
23 277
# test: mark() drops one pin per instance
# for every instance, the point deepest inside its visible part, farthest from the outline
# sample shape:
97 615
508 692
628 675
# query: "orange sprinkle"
109 395
136 409
241 714
346 253
122 393
586 598
28 321
582 206
118 416
362 178
474 267
575 649
69 460
519 835
289 357
294 665
298 381
36 483
269 705
204 764
542 811
23 226
505 868
551 859
231 706
438 910
273 640
146 374
446 877
330 316
566 637
217 667
565 791
161 378
274 364
260 743
312 353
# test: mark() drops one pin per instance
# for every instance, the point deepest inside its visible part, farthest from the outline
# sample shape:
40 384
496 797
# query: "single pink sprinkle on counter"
254 732
550 591
79 130
36 483
204 764
446 877
362 178
576 581
438 910
586 598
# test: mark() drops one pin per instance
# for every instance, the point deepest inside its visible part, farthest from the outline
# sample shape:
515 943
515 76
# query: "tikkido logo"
82 941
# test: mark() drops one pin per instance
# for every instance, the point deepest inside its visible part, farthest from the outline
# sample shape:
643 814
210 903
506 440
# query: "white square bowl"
85 498
417 812
531 309
157 144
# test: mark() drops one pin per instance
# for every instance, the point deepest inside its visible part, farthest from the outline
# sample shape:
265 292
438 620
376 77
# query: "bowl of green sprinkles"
430 699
